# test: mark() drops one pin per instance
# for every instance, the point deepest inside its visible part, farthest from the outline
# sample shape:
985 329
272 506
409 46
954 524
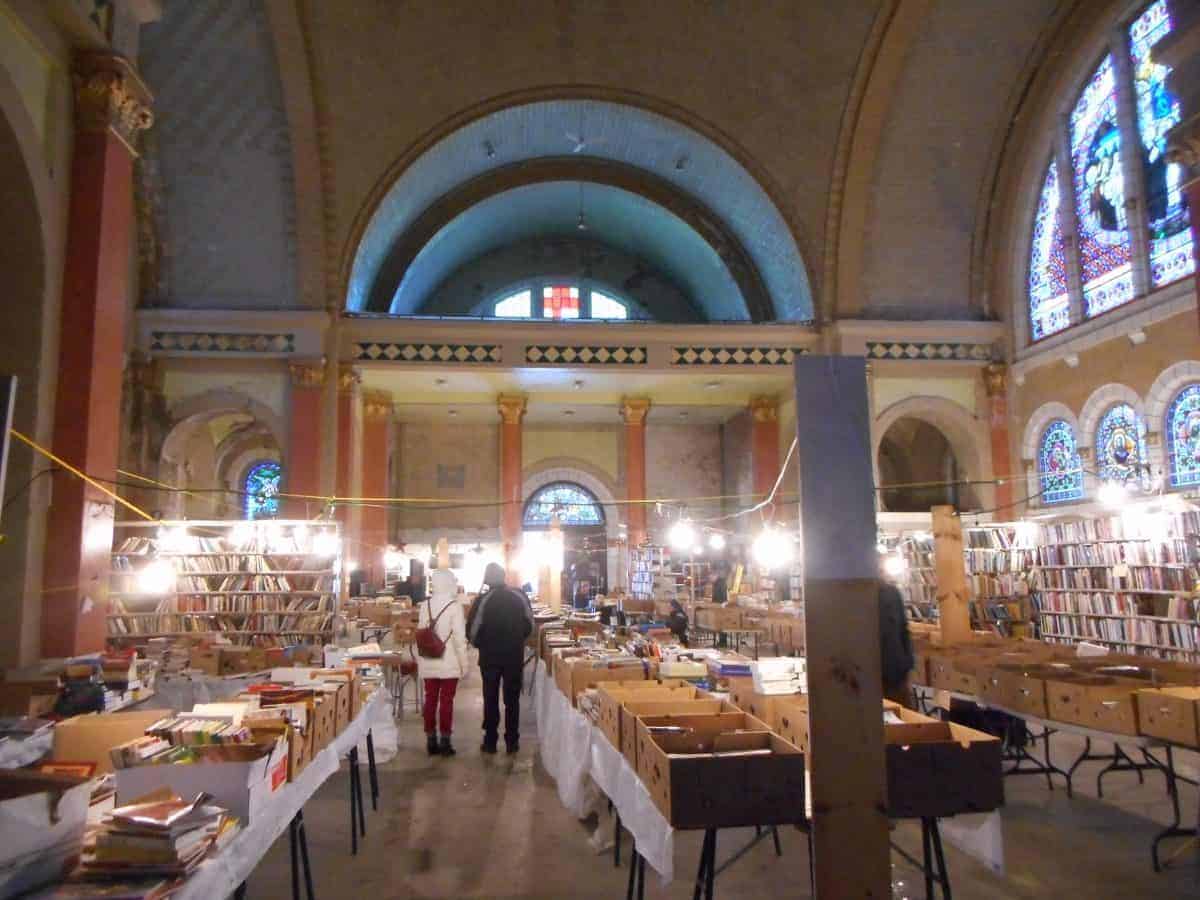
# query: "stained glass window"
1171 253
572 504
1183 437
1100 195
516 306
1049 303
261 487
1120 445
560 301
605 307
1059 466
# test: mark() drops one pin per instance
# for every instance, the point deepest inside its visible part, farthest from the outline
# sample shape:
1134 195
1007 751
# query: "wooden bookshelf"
260 583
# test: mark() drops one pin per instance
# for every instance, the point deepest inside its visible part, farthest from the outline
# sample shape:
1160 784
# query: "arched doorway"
585 537
918 469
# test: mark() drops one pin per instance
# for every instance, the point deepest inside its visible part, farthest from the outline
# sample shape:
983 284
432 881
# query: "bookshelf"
995 557
1127 583
266 583
645 563
919 587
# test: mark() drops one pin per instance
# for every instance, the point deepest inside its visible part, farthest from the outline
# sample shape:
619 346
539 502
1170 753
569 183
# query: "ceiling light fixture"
568 412
711 385
452 412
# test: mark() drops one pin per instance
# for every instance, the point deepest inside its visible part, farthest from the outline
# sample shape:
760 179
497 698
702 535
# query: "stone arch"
1032 436
1172 380
1100 402
966 435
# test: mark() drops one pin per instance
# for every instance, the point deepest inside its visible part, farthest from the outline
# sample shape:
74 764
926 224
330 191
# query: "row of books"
1104 578
1145 553
992 586
1093 604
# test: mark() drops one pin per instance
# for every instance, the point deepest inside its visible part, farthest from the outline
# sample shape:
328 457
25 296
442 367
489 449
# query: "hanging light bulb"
157 578
682 535
1112 494
894 565
716 540
773 548
392 558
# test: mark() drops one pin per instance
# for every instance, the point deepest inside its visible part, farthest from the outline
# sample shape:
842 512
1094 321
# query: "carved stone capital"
512 408
634 410
1153 440
348 378
995 379
144 372
307 374
377 405
764 408
110 97
1085 454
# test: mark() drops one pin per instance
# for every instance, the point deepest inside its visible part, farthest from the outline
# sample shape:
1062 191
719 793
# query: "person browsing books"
500 622
443 613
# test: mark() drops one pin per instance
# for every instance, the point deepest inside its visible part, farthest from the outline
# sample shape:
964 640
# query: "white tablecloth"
221 875
17 753
573 750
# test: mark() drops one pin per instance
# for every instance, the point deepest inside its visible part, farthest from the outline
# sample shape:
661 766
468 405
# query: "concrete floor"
493 827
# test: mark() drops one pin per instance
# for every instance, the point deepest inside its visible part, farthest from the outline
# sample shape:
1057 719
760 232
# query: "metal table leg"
1173 830
297 841
372 771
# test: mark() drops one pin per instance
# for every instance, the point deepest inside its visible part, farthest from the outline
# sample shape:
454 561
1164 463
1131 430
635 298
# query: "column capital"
634 410
110 96
764 408
1153 439
377 405
349 377
143 371
995 379
307 374
512 408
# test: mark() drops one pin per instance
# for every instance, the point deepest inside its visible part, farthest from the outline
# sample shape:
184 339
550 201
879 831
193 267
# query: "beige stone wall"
422 448
682 461
737 474
598 446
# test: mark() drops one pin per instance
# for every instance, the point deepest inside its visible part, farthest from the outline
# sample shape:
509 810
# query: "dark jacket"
895 644
498 624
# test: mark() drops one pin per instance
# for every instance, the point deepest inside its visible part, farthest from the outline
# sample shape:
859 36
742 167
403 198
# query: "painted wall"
423 447
682 461
597 445
737 473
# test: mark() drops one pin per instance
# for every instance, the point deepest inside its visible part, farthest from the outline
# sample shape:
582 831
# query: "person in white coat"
441 675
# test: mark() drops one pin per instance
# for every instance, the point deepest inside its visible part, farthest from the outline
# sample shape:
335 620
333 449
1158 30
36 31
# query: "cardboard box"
792 713
940 769
38 812
243 787
35 698
89 738
1019 687
637 708
377 613
761 706
1170 713
708 791
573 676
718 618
638 605
1094 701
240 660
614 694
324 721
205 659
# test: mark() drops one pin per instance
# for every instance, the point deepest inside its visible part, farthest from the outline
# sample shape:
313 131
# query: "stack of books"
182 739
157 840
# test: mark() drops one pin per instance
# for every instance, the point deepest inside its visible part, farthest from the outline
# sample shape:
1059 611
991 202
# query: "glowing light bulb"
682 535
241 535
1112 494
172 539
392 558
894 566
716 541
325 543
157 578
698 550
773 548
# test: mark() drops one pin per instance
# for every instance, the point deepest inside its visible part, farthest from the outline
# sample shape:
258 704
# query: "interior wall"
737 472
681 461
595 444
423 449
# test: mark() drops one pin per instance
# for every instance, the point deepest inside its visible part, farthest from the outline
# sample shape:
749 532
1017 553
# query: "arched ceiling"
666 151
613 217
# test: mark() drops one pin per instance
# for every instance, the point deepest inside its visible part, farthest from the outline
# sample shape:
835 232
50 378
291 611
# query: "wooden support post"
953 597
849 803
443 553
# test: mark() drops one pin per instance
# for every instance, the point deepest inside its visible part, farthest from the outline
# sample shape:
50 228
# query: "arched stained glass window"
1049 303
1120 445
261 487
1100 194
1183 437
605 307
1171 252
573 504
561 301
516 306
1059 467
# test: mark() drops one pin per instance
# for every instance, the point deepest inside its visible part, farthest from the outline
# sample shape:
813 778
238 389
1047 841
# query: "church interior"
725 311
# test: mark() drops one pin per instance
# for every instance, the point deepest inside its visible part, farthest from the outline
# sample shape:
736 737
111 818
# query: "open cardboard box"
242 786
761 706
1094 701
1170 713
573 676
939 768
792 717
89 738
637 708
693 788
1020 687
615 693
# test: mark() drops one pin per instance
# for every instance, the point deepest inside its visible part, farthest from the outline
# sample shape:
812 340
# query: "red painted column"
633 411
111 108
995 380
349 462
764 447
302 472
512 412
377 417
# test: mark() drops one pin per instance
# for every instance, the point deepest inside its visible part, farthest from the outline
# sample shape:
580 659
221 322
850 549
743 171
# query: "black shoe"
431 744
511 748
485 747
445 747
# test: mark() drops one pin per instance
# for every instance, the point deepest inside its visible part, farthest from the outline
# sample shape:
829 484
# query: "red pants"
439 704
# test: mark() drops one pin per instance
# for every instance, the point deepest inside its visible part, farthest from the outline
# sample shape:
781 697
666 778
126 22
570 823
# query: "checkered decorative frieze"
540 354
220 342
930 351
734 356
429 353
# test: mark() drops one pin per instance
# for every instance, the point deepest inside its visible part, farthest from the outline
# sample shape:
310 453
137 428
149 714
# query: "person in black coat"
895 645
499 623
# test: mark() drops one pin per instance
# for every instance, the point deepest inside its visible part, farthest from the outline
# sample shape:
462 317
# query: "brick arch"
1101 401
588 476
